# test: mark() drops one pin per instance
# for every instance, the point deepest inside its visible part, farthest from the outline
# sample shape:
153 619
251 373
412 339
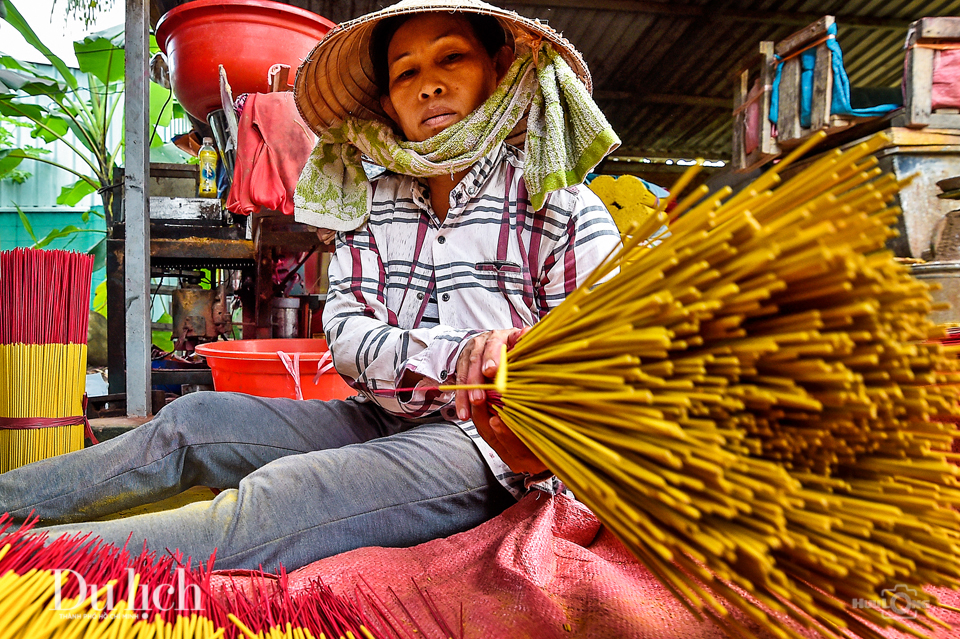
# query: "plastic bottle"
208 169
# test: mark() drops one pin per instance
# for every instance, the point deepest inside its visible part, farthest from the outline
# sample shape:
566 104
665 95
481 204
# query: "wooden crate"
753 85
923 37
790 133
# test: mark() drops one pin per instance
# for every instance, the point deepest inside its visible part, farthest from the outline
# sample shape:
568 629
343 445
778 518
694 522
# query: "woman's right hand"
478 364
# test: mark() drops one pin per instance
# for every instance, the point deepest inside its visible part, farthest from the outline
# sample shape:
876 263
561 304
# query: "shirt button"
441 239
443 375
445 297
472 191
419 296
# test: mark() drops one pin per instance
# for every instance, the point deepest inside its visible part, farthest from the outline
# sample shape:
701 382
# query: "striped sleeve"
588 235
369 349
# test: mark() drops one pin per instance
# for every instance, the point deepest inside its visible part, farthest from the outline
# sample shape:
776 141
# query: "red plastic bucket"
246 36
253 366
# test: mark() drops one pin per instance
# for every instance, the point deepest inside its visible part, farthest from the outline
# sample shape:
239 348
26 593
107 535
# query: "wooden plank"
938 28
768 145
200 248
918 80
835 125
740 93
822 88
741 89
931 136
788 116
846 121
944 120
804 36
185 208
767 148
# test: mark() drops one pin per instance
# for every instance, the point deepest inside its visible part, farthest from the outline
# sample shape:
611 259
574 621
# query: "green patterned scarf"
567 135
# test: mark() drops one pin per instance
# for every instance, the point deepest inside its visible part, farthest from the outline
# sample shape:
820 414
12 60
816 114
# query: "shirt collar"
472 183
480 172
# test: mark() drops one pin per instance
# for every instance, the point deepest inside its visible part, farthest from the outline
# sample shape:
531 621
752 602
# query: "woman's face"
439 73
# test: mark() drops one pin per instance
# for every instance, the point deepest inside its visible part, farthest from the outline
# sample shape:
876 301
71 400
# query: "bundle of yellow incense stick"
44 310
758 406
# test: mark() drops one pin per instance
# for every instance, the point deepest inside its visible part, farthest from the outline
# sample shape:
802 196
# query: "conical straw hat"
336 80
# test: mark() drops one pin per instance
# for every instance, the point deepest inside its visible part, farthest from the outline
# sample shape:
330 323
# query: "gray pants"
301 480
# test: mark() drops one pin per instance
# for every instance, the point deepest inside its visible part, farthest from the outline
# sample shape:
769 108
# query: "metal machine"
226 277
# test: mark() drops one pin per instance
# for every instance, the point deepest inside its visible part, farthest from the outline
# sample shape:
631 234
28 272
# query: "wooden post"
137 208
918 83
277 77
740 94
788 49
768 144
822 98
788 118
918 77
763 65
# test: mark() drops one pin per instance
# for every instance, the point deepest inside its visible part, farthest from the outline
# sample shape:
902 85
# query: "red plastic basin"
252 366
246 36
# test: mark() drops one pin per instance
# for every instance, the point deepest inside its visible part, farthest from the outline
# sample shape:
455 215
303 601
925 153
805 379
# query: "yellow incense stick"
781 403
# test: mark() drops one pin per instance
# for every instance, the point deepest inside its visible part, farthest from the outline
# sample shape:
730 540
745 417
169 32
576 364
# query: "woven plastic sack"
545 568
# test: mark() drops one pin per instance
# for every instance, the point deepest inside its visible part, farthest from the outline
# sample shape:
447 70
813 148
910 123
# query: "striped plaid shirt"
493 263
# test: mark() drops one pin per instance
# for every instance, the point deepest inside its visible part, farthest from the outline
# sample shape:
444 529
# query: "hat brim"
337 78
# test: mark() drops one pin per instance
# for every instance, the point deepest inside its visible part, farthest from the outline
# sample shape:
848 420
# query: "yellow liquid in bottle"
208 171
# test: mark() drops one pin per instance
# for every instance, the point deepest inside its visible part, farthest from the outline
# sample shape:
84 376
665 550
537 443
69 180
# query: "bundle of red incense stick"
44 296
44 312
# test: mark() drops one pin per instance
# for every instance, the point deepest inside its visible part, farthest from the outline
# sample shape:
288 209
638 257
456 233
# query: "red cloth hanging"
272 147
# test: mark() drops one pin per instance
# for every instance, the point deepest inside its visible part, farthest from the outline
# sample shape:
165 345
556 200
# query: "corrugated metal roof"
662 69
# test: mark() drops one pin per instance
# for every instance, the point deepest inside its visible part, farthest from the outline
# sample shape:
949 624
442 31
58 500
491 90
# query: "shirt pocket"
514 284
